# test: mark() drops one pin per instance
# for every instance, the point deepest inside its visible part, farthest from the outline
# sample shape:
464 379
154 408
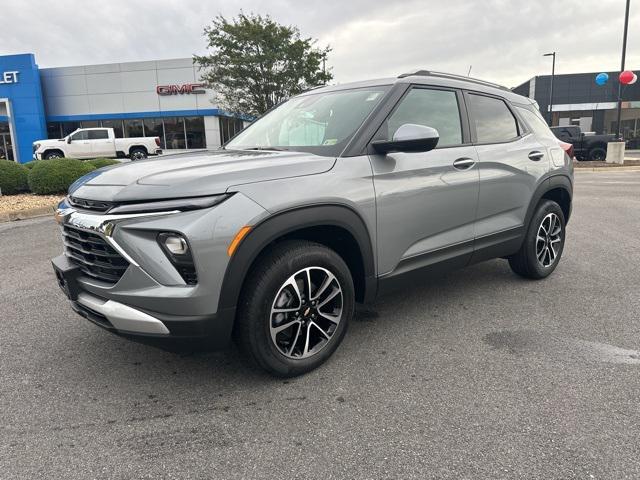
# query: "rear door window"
98 135
492 119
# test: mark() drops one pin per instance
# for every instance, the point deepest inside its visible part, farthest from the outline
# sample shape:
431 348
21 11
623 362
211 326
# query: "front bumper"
151 300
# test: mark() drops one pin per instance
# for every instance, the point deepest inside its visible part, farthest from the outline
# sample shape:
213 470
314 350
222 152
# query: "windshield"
320 123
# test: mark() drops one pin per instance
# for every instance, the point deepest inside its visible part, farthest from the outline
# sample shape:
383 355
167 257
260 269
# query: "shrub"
102 162
29 165
56 175
13 177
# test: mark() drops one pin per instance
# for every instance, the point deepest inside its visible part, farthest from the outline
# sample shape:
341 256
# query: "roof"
433 78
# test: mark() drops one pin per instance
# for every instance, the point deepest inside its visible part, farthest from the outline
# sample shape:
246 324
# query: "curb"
26 214
607 169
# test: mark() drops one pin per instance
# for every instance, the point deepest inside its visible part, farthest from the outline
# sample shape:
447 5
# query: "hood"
52 142
194 174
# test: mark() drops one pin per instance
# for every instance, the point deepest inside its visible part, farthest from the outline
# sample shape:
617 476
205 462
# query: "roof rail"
430 73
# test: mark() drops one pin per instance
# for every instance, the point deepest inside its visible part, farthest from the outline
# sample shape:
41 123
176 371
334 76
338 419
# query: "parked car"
335 197
587 146
96 143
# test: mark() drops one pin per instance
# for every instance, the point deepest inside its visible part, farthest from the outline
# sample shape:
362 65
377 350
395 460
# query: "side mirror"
69 140
409 138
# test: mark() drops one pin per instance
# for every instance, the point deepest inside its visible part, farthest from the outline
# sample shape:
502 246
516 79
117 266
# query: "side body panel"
508 179
424 205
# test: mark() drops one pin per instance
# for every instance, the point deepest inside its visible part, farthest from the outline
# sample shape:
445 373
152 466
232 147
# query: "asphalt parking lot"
478 375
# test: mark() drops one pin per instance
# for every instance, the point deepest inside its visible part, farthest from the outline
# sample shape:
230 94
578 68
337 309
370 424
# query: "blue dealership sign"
20 86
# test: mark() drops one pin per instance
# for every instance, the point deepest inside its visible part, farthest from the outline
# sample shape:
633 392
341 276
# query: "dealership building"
160 98
578 100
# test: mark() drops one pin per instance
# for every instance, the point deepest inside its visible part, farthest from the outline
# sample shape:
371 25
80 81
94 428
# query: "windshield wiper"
272 149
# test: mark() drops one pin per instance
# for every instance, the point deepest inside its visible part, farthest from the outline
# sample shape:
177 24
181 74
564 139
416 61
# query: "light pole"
624 53
553 74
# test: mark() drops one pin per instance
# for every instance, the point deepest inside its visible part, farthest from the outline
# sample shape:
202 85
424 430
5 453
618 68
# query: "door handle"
536 155
464 163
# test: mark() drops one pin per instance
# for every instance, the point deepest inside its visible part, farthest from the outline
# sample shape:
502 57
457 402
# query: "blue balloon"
602 78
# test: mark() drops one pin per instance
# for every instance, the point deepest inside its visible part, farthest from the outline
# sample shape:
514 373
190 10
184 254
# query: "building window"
118 129
153 128
54 130
68 127
229 127
194 127
174 133
133 128
90 124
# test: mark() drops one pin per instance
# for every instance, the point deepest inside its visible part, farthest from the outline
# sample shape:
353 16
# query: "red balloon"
626 77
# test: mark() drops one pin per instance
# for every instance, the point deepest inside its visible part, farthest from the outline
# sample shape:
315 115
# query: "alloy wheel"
548 240
306 312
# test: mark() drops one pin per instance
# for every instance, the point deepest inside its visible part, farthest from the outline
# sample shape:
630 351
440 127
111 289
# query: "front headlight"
180 204
36 146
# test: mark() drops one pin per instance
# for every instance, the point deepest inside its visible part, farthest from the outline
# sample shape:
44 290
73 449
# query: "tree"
256 63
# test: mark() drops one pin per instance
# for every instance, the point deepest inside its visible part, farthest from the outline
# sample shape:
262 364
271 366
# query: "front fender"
289 221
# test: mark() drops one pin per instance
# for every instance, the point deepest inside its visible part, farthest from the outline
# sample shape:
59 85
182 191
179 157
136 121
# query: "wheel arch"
51 150
138 147
337 226
558 188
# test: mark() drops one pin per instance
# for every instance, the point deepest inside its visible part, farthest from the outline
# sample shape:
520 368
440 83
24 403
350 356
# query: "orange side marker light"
233 246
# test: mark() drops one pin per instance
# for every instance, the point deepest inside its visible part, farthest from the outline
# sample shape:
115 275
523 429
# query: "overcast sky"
502 40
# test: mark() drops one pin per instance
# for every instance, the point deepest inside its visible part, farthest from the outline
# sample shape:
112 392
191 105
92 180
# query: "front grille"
93 205
95 257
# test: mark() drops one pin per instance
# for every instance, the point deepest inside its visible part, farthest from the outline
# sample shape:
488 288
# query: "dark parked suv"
334 197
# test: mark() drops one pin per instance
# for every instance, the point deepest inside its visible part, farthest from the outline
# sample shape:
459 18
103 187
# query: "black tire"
265 285
53 155
526 262
137 153
598 154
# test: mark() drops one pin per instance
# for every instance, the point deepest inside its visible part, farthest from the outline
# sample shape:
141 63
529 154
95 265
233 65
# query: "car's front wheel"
295 308
543 244
53 155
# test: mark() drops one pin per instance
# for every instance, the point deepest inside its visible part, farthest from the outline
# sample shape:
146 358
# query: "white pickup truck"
96 143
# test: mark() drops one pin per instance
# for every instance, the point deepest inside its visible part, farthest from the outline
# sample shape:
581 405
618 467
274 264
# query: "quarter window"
432 108
536 124
493 120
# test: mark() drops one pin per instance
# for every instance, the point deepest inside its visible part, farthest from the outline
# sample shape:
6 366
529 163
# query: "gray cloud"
502 39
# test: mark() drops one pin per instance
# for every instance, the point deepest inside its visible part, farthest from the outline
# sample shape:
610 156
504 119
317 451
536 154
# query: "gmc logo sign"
189 88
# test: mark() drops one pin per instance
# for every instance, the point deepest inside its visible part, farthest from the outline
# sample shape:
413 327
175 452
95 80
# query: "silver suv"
334 197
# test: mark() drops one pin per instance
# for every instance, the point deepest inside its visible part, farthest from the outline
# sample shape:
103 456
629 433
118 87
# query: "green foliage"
29 165
13 177
256 63
102 162
55 176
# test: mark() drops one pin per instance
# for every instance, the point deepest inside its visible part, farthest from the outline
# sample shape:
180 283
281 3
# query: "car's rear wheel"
295 308
138 154
598 154
542 247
